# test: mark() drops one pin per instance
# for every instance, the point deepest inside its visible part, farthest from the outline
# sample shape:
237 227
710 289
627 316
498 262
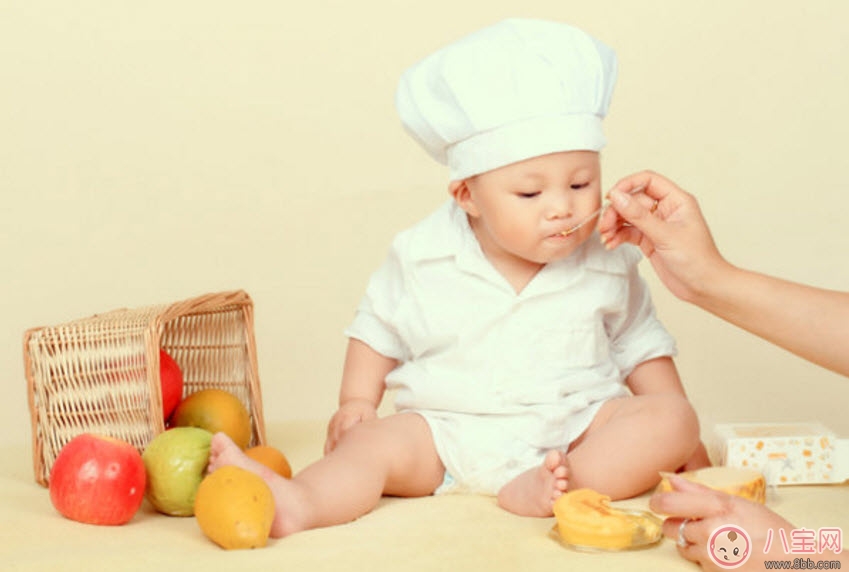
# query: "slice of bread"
745 483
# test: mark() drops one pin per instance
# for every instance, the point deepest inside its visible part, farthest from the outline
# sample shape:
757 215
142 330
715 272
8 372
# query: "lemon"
234 508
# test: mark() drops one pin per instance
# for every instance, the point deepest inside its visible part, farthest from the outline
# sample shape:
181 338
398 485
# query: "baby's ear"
461 193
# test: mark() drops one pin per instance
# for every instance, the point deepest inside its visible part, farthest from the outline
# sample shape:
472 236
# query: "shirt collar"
448 234
444 233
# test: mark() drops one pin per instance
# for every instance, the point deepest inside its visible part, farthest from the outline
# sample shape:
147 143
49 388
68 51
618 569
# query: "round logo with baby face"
729 546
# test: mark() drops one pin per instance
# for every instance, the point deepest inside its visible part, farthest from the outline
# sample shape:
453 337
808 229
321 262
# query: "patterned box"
786 453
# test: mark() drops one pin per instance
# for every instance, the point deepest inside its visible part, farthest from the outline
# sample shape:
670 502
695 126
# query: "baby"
526 359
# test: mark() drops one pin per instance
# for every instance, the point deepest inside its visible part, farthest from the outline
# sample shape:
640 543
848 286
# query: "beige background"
154 151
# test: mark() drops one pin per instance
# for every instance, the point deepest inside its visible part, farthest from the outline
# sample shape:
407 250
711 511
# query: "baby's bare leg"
620 454
394 455
630 440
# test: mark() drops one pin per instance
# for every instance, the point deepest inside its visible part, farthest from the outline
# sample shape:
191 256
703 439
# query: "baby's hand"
349 414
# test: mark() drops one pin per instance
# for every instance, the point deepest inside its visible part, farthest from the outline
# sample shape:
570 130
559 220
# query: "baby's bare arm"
363 384
658 375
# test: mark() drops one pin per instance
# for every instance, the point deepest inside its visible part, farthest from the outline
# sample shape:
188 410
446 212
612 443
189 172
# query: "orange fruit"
215 410
235 508
271 458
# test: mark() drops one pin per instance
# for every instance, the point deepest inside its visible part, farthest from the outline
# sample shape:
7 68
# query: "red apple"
98 480
171 379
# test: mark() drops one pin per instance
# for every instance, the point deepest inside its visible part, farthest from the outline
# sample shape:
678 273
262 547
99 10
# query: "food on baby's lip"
746 483
586 521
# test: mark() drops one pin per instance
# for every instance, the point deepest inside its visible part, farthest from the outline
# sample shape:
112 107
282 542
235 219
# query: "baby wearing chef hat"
525 359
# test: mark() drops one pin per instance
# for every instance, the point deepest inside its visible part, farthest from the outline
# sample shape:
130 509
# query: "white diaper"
482 453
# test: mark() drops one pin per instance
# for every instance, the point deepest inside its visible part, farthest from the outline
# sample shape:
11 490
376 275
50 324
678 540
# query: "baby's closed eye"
528 194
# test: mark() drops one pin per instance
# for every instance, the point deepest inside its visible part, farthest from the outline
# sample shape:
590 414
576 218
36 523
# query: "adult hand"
667 224
349 414
706 510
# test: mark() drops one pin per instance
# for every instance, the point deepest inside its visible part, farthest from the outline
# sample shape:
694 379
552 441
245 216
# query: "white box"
786 453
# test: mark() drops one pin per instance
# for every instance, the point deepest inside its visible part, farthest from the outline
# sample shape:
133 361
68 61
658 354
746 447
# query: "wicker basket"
101 374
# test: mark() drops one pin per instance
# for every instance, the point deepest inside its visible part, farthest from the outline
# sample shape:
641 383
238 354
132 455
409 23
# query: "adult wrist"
716 285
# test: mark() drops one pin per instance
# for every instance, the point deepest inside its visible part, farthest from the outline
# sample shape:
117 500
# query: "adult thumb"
635 213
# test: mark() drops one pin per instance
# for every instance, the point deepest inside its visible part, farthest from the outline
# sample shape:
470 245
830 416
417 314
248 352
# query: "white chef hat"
514 90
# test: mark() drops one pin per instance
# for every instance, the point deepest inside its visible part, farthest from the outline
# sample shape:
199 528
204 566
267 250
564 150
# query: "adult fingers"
691 539
683 485
692 532
687 505
621 235
615 229
654 185
637 214
695 552
657 192
689 500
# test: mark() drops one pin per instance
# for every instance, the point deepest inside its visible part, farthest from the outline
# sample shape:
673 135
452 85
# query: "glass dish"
647 534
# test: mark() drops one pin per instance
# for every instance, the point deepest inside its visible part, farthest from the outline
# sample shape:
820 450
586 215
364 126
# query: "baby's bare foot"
223 451
289 510
533 492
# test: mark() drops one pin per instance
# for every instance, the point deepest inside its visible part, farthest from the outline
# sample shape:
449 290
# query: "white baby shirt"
502 377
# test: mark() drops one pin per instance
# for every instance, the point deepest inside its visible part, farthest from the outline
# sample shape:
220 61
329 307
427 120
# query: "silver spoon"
597 212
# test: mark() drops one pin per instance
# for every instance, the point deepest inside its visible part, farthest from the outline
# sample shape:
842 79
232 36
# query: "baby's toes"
560 472
561 485
554 459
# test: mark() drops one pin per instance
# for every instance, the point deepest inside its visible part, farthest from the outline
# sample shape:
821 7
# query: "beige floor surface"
435 533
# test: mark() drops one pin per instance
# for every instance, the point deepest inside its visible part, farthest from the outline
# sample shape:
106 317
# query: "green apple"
175 461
